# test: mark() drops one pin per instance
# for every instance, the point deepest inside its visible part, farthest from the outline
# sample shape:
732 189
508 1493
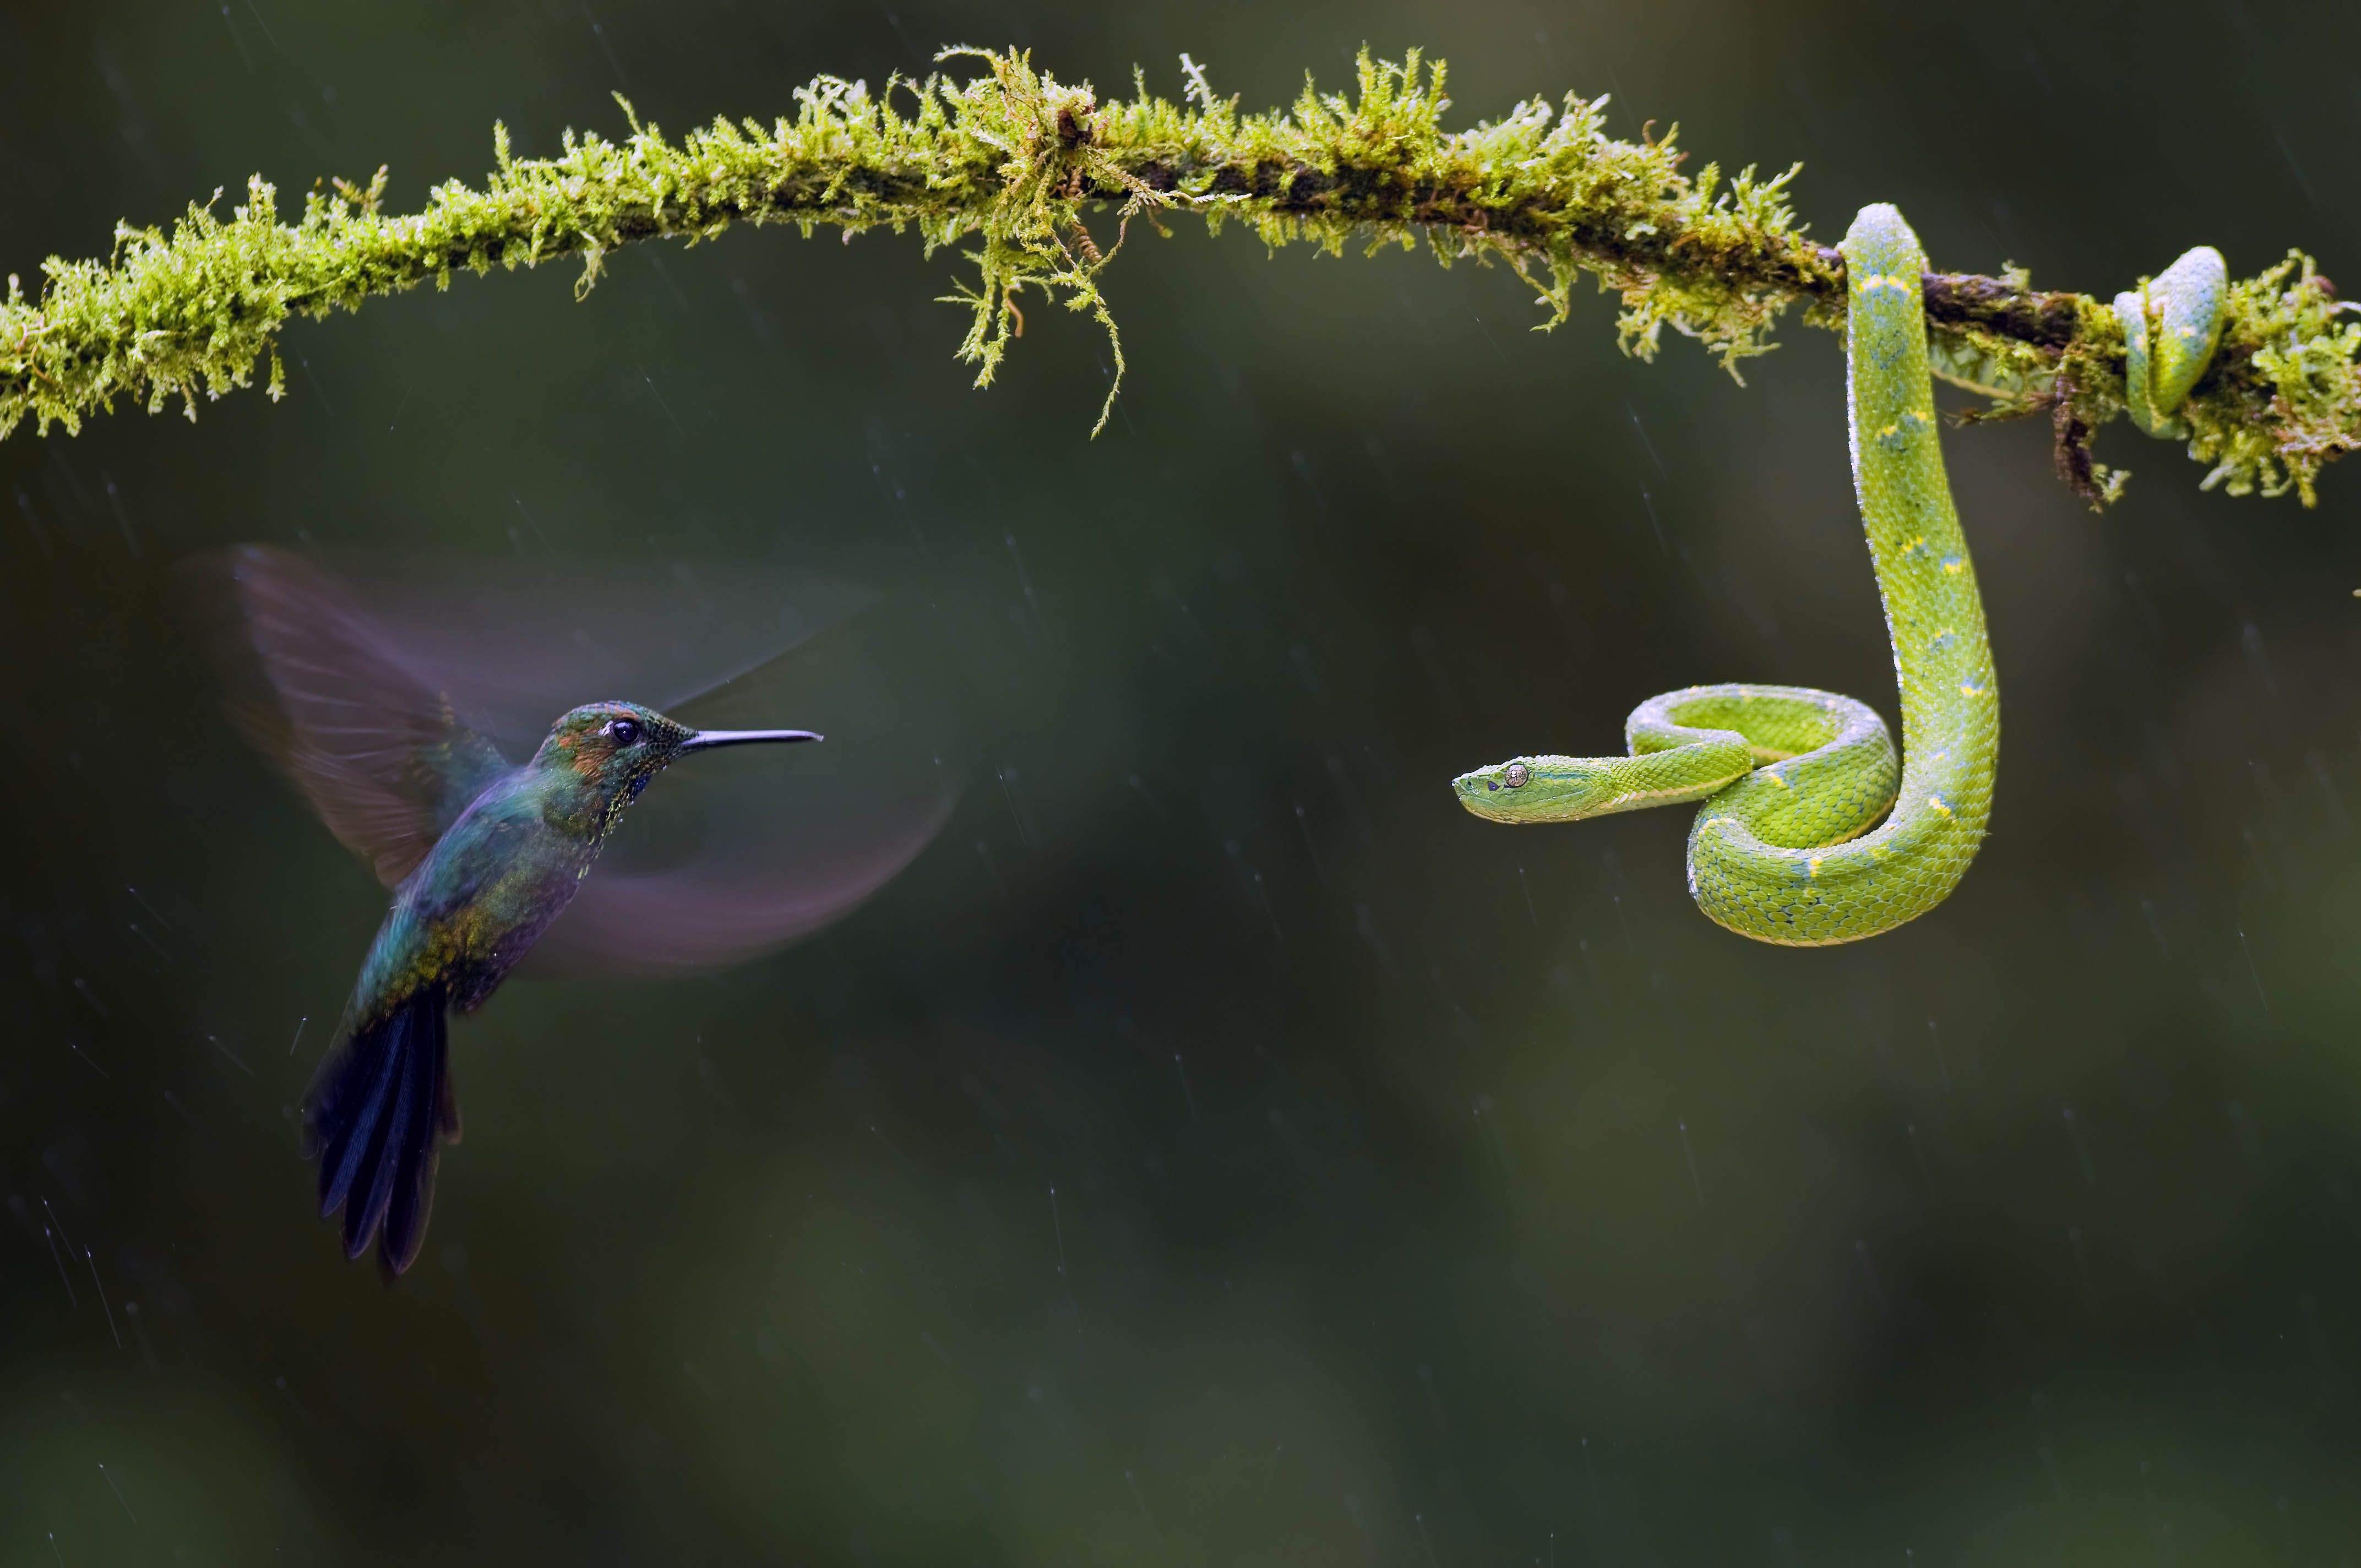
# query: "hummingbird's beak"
706 739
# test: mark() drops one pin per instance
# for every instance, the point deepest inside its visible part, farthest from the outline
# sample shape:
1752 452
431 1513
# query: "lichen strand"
1006 167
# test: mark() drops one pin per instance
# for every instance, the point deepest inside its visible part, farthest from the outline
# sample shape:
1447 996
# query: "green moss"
1004 167
2288 386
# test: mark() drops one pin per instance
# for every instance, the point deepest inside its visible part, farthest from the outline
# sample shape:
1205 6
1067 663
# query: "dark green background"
1449 1195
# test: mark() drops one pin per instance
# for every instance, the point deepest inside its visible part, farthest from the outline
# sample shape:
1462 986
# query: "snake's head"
1539 789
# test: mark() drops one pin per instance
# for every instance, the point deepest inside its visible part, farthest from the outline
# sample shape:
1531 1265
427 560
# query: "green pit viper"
1810 832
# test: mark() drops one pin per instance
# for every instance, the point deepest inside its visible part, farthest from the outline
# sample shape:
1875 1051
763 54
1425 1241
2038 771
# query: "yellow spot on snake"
1938 802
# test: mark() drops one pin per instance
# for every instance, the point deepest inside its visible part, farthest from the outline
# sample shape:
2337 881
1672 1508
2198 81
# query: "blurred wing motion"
517 641
371 740
724 908
391 684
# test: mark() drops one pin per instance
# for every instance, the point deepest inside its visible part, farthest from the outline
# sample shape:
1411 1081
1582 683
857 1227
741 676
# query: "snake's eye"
623 732
1517 777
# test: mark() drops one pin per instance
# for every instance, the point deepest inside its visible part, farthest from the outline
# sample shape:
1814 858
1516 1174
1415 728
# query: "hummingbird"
483 854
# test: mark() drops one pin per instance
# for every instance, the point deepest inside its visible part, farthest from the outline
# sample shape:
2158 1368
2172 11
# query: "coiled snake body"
1811 833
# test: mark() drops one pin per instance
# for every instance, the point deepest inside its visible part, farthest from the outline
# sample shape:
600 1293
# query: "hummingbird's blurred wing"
373 742
736 901
518 641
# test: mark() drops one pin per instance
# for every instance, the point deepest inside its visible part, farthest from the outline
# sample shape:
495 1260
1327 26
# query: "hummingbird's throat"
621 799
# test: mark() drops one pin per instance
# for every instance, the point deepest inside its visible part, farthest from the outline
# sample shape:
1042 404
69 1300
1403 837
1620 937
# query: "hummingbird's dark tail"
373 1118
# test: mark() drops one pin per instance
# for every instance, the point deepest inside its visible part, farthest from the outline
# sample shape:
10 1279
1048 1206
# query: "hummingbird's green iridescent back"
514 857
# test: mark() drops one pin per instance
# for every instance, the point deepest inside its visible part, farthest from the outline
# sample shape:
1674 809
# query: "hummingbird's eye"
623 732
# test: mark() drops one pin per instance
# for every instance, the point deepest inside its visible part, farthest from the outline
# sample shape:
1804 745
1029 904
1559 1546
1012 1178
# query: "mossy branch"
1006 164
